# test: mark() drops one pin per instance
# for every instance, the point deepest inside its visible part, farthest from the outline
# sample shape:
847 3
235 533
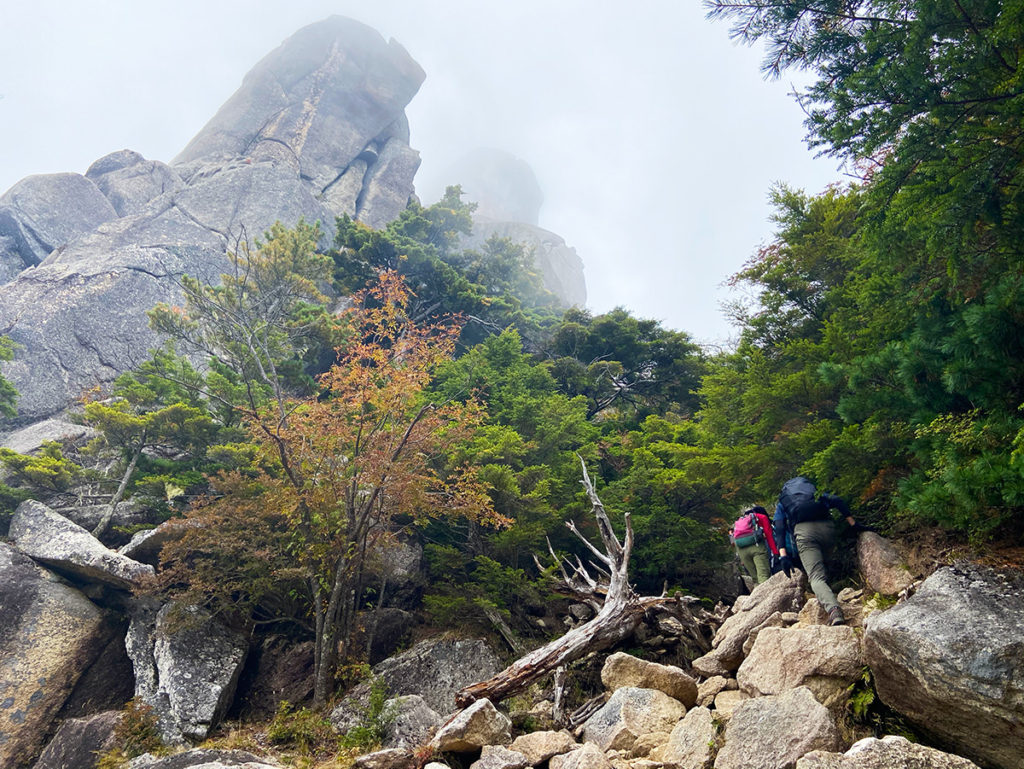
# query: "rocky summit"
317 130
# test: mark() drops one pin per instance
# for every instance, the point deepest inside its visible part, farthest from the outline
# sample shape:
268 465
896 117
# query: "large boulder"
621 669
63 545
40 213
951 661
414 722
778 595
29 440
629 713
825 659
691 744
105 685
435 669
130 182
773 732
891 752
471 729
587 757
880 565
49 634
326 107
500 757
539 747
78 741
187 666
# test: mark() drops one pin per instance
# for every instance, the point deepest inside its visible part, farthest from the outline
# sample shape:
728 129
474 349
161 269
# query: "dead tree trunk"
616 619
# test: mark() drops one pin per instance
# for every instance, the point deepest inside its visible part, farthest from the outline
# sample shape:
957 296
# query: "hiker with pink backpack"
755 542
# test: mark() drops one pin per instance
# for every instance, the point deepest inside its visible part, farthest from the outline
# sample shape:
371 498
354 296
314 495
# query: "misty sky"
654 137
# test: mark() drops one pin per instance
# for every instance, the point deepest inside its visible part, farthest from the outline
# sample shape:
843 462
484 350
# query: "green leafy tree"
624 365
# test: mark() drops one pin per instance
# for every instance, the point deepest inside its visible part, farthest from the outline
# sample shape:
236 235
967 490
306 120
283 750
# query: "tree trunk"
108 514
616 620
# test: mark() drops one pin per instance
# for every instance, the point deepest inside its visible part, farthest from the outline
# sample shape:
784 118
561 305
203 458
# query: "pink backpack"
746 531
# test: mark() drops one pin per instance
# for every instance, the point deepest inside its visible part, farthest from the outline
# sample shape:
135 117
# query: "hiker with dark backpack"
754 540
806 517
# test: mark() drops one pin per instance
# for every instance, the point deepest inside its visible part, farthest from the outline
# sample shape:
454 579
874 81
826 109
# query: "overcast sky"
654 137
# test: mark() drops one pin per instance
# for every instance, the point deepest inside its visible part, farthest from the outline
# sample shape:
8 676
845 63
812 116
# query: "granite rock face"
329 93
951 661
324 109
435 669
881 567
478 725
560 265
41 213
186 668
130 182
630 713
691 742
778 595
774 732
78 740
824 659
63 545
49 634
621 669
891 752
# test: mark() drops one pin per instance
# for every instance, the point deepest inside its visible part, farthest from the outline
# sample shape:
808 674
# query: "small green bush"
303 730
135 734
375 719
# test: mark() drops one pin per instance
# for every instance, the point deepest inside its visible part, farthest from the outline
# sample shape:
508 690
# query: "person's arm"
832 502
766 527
779 528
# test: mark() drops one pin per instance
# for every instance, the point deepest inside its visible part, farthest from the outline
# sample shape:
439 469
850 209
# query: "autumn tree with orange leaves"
332 471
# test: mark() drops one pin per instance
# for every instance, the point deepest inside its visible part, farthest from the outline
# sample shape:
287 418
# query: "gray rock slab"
204 758
380 199
53 540
474 727
773 732
130 182
187 666
41 213
825 659
539 747
499 757
414 722
29 440
49 634
436 669
891 752
951 661
691 744
324 95
621 669
629 713
78 741
778 595
881 565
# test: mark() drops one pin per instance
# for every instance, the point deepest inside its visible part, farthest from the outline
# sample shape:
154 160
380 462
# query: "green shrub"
304 730
135 734
375 719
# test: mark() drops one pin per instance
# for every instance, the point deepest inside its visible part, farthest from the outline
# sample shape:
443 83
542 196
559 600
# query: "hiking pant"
755 560
814 540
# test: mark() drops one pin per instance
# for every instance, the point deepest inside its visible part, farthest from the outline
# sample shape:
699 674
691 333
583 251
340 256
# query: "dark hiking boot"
835 616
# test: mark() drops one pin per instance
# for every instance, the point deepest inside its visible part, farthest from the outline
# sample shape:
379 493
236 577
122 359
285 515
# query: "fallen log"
616 619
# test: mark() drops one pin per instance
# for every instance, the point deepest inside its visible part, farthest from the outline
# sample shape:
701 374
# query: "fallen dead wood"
617 615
